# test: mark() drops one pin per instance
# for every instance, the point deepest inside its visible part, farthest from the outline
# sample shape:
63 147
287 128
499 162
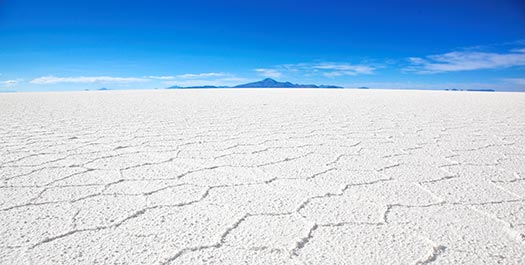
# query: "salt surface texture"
262 177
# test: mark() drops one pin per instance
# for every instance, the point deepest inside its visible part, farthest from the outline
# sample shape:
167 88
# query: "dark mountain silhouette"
266 83
271 83
472 89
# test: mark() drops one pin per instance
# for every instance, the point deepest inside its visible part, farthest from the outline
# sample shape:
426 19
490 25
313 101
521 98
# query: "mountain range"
266 83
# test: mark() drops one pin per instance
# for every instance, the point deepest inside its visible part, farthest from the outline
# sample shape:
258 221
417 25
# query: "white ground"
262 177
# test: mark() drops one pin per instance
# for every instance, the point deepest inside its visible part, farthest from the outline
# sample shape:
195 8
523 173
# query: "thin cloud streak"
206 77
466 61
85 79
10 83
517 81
339 69
327 69
202 75
498 86
266 72
161 77
229 81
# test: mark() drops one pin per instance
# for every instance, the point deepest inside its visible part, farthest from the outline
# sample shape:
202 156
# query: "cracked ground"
262 177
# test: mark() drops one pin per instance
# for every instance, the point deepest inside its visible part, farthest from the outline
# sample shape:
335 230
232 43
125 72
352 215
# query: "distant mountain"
472 89
329 86
103 89
266 83
271 83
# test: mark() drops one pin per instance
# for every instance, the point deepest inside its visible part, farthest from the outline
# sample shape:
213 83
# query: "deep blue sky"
73 45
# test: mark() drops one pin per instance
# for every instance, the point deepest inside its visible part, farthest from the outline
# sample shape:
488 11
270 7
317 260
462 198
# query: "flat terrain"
262 177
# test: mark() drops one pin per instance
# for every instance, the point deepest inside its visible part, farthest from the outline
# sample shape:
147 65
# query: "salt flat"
262 177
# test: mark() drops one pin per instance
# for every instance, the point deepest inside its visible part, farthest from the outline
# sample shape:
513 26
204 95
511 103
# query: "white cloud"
273 73
345 69
328 69
522 50
499 86
202 75
516 81
86 79
10 83
333 74
161 77
204 79
466 60
227 81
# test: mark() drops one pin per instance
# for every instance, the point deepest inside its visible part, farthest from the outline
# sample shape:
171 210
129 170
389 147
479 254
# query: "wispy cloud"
465 61
266 72
499 86
86 79
201 79
327 69
340 69
202 75
226 81
516 81
160 77
10 83
522 50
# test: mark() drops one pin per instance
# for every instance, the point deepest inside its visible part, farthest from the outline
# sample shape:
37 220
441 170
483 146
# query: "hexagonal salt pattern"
262 177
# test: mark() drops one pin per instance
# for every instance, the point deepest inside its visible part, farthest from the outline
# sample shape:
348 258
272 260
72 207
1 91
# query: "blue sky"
423 44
